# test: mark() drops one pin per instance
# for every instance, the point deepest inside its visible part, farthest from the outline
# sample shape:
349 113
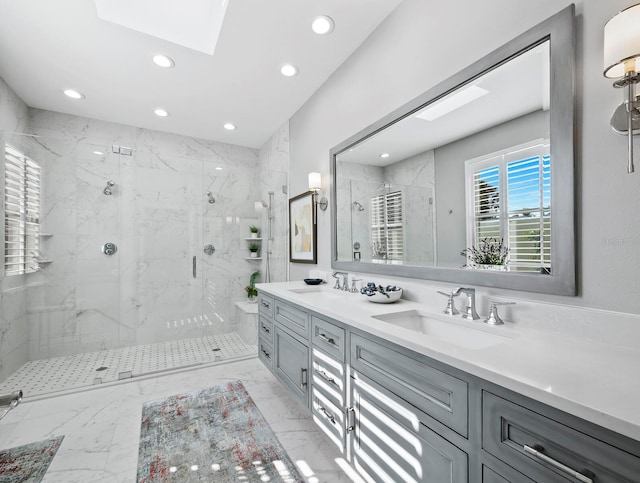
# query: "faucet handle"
494 318
354 289
451 306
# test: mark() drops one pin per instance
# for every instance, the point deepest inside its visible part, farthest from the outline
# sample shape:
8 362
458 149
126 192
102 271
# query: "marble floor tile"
101 425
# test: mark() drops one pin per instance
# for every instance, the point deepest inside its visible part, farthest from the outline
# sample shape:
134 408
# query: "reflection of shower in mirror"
357 204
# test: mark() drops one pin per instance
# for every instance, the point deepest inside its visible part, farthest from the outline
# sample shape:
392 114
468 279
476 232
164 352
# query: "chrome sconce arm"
315 186
622 62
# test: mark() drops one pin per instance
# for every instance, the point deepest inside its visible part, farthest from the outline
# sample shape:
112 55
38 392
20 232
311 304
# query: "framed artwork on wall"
303 246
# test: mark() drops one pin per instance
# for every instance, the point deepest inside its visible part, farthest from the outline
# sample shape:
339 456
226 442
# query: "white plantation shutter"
387 231
509 198
22 213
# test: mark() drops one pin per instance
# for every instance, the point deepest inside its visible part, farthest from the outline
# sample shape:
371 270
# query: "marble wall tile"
14 118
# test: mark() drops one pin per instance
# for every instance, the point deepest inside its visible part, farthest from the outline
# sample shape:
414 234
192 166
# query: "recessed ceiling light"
322 25
230 127
99 153
163 61
161 112
289 70
73 94
218 168
384 155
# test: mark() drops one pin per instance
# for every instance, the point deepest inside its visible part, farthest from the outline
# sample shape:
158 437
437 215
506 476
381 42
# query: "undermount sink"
456 332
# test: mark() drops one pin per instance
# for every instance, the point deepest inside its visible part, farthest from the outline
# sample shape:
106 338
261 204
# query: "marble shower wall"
160 218
274 166
14 348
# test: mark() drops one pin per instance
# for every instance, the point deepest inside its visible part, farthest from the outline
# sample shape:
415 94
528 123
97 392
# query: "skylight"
194 24
452 102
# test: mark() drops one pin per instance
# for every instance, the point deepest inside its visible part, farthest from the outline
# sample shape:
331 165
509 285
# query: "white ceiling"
48 46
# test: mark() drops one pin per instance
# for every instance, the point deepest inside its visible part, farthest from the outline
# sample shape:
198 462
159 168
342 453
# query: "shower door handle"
194 266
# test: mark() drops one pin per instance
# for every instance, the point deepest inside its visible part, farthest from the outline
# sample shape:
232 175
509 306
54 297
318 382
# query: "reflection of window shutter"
22 213
529 185
395 239
387 237
511 200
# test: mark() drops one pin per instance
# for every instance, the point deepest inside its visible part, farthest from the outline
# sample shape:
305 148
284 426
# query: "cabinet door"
291 364
386 450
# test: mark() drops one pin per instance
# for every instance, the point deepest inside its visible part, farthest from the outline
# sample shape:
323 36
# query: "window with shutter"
509 198
387 230
22 213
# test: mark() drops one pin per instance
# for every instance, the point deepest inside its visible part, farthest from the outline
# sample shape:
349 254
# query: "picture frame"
303 244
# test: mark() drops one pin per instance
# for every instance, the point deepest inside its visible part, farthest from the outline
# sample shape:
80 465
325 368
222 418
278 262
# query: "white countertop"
594 381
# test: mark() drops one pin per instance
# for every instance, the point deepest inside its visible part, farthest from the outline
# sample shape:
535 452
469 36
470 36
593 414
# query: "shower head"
108 191
357 204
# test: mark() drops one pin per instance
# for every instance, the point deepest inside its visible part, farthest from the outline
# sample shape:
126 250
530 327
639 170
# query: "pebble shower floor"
92 368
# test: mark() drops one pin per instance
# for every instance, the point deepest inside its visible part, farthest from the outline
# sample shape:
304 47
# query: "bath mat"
215 434
28 463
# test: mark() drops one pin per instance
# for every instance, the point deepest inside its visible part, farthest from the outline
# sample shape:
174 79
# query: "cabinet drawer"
406 374
265 305
329 337
328 374
503 475
328 416
265 329
292 317
509 428
265 353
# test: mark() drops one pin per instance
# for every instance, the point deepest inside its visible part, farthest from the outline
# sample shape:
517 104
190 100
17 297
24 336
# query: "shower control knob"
109 248
209 249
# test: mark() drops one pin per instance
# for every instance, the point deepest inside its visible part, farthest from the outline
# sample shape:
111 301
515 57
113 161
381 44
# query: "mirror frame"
559 29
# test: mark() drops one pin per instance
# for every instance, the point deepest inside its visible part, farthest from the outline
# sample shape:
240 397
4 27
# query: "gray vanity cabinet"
402 416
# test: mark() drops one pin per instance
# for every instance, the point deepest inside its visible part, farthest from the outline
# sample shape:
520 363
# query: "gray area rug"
214 435
28 463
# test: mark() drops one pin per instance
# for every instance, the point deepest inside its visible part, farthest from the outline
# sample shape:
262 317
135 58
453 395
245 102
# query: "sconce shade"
315 182
622 42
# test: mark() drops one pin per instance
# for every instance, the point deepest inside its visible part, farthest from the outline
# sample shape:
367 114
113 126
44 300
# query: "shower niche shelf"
253 239
252 258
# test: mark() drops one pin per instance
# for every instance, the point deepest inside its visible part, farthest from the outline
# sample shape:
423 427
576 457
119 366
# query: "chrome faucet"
470 312
345 280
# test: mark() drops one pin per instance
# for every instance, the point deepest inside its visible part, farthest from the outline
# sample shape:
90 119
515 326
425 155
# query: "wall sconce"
315 185
622 62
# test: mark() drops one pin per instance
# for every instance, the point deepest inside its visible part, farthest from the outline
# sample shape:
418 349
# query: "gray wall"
422 43
450 162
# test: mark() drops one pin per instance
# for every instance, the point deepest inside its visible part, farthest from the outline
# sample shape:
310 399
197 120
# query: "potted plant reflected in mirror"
252 291
490 254
254 231
253 248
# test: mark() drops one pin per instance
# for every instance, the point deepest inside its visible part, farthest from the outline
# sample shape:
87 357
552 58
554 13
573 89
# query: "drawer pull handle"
303 378
265 329
325 376
326 339
265 304
266 354
328 415
536 451
350 427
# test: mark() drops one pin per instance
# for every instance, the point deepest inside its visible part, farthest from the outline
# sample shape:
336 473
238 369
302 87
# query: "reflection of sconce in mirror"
622 62
315 185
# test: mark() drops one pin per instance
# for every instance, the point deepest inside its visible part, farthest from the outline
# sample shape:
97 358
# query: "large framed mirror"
472 182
